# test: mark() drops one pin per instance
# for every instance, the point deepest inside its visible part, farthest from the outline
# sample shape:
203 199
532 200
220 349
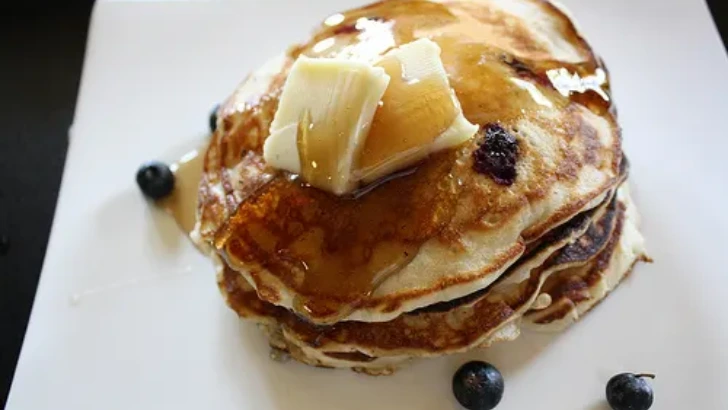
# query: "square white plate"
127 315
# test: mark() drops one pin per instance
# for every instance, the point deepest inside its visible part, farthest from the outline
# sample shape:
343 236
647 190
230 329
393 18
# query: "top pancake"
440 230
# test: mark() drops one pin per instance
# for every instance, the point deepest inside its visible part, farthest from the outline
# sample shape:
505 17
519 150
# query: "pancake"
600 275
538 252
575 292
474 321
441 230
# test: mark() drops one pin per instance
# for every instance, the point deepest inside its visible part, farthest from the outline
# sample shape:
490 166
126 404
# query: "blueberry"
497 154
478 386
629 391
213 118
155 179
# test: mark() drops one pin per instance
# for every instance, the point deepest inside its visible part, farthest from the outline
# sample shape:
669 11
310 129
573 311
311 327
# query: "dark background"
42 46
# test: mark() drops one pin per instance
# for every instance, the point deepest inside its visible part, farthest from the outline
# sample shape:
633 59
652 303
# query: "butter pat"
341 123
420 113
323 118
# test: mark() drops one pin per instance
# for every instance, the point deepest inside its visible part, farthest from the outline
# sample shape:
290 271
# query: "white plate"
127 315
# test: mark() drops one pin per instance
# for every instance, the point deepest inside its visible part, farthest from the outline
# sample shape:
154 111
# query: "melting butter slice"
420 113
324 115
341 122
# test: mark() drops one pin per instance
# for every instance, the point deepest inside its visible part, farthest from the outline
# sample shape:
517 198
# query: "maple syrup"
334 251
182 202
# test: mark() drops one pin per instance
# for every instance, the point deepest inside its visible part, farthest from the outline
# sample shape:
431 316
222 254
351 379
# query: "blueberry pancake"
415 180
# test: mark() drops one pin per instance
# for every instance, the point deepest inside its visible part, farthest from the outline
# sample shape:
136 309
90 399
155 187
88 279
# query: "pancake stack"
463 249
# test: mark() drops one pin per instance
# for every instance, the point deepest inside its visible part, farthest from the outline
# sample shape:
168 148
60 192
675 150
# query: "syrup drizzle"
182 203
